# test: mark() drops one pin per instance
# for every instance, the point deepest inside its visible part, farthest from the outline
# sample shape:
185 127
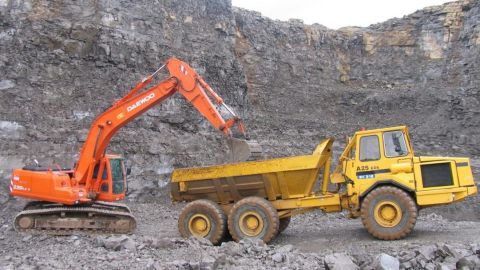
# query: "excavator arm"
183 79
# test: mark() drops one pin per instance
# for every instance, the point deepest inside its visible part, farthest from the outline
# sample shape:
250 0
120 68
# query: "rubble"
312 241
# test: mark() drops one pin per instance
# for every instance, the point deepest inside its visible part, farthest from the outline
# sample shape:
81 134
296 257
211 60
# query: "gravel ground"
312 241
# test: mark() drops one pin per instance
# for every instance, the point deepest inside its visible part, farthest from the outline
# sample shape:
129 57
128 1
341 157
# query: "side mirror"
129 171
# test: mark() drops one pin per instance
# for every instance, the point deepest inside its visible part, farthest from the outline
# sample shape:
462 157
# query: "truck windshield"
118 184
394 144
369 148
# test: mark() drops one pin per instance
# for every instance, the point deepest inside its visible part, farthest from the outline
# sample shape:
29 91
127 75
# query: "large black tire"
388 213
284 222
253 217
203 219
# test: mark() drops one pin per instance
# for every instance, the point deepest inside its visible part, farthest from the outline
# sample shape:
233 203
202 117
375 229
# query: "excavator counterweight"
77 199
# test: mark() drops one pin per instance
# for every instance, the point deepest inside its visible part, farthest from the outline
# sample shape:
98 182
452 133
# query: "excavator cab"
111 178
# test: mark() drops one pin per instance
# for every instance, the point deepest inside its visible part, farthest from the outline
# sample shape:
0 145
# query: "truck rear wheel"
388 213
253 217
203 219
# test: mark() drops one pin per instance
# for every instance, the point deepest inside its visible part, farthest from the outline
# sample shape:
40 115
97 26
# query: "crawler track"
100 217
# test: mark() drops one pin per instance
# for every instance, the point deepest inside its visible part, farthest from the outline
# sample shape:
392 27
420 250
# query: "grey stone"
339 261
278 257
386 262
27 238
129 244
428 252
285 249
160 243
474 259
451 251
180 264
406 265
444 266
207 262
429 266
116 243
232 249
465 264
11 130
6 84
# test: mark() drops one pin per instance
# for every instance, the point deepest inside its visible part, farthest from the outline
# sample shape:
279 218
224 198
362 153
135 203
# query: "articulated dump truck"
378 178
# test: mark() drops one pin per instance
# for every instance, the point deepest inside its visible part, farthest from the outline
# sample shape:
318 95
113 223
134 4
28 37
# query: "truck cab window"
369 148
394 142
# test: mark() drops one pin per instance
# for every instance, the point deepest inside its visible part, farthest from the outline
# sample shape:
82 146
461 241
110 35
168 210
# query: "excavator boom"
183 79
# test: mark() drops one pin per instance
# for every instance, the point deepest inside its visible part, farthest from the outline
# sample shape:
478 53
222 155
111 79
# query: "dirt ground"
156 244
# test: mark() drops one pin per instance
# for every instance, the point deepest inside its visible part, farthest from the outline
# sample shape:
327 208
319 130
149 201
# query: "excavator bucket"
243 150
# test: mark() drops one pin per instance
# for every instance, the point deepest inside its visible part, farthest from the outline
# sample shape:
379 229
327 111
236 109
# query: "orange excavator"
81 198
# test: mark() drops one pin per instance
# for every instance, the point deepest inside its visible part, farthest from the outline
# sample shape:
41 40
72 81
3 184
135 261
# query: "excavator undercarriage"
58 219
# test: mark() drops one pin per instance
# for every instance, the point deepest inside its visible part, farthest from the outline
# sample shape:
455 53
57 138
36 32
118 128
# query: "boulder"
339 261
116 243
386 262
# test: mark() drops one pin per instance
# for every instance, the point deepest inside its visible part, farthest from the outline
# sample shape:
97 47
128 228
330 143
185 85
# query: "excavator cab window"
118 177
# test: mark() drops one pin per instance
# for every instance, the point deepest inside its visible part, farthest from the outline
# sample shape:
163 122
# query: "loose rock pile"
312 241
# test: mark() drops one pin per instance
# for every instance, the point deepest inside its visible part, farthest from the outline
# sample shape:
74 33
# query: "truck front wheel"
203 219
253 217
388 213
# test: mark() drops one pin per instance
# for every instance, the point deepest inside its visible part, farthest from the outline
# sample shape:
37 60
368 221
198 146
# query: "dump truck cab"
385 157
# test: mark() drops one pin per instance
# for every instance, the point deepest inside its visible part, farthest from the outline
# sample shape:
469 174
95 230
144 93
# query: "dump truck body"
284 181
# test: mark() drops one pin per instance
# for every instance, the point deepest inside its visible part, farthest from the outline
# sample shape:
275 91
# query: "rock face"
308 82
64 62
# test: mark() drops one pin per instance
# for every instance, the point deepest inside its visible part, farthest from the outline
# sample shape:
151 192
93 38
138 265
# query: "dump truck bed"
273 179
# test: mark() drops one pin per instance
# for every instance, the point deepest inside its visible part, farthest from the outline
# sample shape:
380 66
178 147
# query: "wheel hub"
251 223
199 225
388 214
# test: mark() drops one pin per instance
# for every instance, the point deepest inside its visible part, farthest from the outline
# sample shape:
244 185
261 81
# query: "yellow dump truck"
378 178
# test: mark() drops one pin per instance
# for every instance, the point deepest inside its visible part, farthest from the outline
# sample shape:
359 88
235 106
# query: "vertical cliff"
64 62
